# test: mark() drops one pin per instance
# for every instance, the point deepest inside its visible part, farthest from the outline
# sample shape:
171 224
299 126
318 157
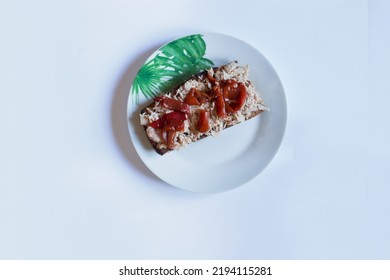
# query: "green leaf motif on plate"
174 63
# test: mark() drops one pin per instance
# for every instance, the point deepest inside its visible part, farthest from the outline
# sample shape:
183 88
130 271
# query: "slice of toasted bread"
203 106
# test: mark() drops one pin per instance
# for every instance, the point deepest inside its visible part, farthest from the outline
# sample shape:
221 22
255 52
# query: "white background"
73 187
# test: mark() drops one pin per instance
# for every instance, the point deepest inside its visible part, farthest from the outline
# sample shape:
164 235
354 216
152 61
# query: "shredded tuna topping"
205 82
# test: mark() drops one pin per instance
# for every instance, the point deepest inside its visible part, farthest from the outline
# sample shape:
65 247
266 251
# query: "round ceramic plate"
237 154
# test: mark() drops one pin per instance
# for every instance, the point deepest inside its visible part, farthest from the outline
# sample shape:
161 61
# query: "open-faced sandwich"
204 105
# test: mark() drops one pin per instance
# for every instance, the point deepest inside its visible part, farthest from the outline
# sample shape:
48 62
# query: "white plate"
238 154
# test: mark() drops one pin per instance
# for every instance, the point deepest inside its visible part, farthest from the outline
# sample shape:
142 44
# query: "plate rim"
269 159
